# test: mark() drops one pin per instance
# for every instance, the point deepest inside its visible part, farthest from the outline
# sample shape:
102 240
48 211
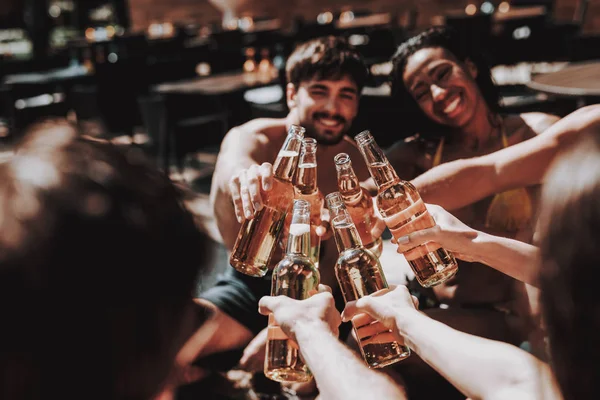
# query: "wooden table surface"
576 79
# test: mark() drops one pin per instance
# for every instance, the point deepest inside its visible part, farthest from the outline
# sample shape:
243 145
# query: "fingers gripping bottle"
404 212
258 237
297 277
359 203
359 274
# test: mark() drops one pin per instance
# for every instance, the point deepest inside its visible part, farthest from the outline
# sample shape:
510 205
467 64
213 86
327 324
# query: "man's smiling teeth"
452 106
328 122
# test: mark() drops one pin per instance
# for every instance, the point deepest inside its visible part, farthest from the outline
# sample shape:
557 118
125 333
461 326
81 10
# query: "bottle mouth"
364 138
309 145
297 130
342 160
301 205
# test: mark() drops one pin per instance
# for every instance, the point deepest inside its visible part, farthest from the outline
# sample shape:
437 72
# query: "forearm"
511 257
226 221
479 368
339 373
456 184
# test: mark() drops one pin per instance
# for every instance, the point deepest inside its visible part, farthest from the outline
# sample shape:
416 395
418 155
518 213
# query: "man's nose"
331 106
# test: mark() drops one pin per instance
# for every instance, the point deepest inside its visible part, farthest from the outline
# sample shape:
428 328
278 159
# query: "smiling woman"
447 88
434 67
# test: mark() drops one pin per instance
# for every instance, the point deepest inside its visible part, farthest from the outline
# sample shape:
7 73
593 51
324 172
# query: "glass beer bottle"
404 212
258 236
359 274
359 203
306 189
297 277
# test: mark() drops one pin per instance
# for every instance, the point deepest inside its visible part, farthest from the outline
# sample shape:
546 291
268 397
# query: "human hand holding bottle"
448 231
246 188
318 311
383 305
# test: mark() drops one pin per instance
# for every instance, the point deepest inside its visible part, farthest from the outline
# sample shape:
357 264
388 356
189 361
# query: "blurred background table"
581 80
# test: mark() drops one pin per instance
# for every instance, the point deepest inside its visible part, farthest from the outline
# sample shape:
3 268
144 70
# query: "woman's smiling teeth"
452 105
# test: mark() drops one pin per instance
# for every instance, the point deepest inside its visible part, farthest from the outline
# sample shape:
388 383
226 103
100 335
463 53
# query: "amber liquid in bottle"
297 277
359 203
404 212
258 236
306 189
359 274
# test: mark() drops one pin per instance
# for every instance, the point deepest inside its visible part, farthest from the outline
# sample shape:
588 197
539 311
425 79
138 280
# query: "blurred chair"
27 103
181 123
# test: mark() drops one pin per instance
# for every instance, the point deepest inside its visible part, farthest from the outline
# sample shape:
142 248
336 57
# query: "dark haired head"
569 272
447 39
98 258
325 58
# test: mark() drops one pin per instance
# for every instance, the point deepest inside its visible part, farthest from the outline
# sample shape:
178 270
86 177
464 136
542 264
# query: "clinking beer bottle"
359 274
359 203
306 189
297 277
258 237
404 212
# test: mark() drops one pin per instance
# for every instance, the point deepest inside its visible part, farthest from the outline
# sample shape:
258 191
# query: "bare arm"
463 182
511 257
329 360
479 368
313 324
235 156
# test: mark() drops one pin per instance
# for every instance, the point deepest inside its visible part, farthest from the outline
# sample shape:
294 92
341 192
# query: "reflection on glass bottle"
359 274
404 212
297 277
358 202
258 236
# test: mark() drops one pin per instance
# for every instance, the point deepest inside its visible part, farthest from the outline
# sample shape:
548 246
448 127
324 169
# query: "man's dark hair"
327 57
98 259
447 39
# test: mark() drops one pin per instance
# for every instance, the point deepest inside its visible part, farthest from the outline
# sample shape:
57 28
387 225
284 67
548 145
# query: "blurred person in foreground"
98 262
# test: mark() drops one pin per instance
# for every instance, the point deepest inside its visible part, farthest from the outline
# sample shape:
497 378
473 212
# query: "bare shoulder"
254 138
538 122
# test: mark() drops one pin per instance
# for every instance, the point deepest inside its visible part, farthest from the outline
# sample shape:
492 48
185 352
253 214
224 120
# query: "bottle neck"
383 174
348 184
345 233
287 159
379 167
306 178
299 239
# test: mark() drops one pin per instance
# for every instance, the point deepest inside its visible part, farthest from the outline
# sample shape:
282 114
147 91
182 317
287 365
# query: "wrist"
304 330
476 249
406 320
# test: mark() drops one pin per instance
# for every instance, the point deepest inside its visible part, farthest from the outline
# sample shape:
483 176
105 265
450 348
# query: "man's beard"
330 139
